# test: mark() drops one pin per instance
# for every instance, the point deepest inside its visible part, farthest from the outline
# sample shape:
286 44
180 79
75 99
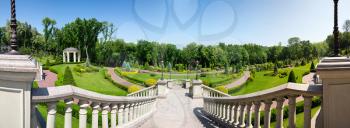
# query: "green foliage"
275 70
222 89
35 84
312 67
292 78
68 78
109 78
133 88
150 82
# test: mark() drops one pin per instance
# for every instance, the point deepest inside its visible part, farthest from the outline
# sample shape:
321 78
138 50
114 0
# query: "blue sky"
180 22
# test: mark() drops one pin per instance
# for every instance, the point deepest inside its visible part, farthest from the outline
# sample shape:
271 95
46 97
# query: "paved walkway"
182 74
240 81
178 110
49 79
118 79
309 78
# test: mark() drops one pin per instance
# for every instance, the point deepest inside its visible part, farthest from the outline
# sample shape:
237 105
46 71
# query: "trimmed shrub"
203 75
150 82
275 70
222 89
68 77
152 75
133 88
303 63
312 68
292 77
35 84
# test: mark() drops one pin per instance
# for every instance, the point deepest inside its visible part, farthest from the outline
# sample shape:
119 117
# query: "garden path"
178 110
118 79
309 78
49 79
181 74
240 81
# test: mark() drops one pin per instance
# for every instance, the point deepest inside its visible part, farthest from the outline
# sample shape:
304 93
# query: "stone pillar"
197 90
68 57
335 75
267 115
83 113
114 111
51 114
162 88
79 55
187 83
95 111
257 114
248 123
307 111
75 57
68 114
279 112
17 73
105 110
291 111
64 57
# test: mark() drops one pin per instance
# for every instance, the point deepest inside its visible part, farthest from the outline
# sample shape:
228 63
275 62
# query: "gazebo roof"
71 49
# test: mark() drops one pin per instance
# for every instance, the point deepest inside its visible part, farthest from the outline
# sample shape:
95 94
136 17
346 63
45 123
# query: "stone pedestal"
335 75
196 90
17 73
187 84
162 88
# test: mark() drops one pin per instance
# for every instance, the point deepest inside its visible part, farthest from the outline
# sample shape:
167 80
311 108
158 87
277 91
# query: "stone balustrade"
150 91
210 92
231 111
124 111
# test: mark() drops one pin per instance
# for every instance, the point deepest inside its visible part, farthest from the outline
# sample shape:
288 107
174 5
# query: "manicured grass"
262 82
94 81
299 119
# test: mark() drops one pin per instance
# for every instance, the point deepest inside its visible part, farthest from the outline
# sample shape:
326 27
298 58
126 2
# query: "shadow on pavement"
206 122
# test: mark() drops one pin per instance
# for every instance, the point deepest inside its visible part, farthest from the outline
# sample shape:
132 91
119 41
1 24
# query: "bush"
133 88
203 75
68 77
222 89
150 82
292 77
303 63
109 78
312 68
35 84
152 75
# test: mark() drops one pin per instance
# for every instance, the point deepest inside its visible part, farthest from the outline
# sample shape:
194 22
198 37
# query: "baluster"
51 114
292 111
120 114
219 110
307 111
126 113
139 109
232 121
248 123
134 114
95 110
83 113
235 118
114 110
257 114
241 117
223 110
105 109
279 112
68 114
131 112
267 115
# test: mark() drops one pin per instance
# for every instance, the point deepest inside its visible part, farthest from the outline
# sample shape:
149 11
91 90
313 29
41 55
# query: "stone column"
307 111
257 114
114 111
105 110
197 90
241 117
267 115
120 114
291 111
248 123
95 111
75 57
68 114
162 88
17 73
64 57
83 113
279 112
51 114
68 57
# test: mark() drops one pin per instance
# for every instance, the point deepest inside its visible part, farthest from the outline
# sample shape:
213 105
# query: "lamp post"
169 67
197 69
13 25
162 70
335 29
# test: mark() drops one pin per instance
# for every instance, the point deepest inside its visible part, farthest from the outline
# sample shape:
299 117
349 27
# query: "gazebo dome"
71 49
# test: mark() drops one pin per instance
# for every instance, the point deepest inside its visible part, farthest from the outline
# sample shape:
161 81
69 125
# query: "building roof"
71 49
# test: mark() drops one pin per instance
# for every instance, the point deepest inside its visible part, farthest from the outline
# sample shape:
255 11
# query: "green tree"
312 67
68 78
292 78
49 28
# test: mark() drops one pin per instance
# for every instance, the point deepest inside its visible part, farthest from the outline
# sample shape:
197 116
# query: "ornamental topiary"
292 77
133 88
150 82
312 68
222 89
68 77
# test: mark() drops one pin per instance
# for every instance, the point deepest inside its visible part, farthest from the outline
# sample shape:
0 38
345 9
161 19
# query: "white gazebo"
67 55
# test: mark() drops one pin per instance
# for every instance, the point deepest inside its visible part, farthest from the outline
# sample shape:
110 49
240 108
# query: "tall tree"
49 27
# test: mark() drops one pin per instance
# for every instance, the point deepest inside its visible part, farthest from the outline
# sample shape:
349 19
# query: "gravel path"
240 81
49 79
309 78
118 79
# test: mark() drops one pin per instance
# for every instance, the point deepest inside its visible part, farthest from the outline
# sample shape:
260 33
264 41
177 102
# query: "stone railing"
150 91
210 92
231 111
124 111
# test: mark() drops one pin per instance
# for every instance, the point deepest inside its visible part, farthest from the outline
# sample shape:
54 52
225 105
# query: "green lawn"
91 81
299 119
262 82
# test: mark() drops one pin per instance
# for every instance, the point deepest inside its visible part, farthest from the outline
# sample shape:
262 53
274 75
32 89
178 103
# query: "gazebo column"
68 57
79 55
64 57
75 57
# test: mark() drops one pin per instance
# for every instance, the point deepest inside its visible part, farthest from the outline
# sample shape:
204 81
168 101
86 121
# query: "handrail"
69 91
214 90
148 90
